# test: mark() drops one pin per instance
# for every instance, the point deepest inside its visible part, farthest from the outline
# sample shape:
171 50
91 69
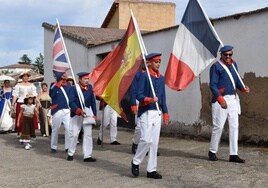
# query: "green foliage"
25 60
39 63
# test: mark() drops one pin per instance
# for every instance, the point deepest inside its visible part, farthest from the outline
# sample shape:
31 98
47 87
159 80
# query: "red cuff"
53 106
78 111
220 99
166 117
134 109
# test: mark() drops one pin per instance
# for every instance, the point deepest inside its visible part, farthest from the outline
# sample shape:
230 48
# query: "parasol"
5 77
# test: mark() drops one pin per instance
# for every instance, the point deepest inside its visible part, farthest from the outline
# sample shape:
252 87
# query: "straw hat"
70 78
29 95
25 73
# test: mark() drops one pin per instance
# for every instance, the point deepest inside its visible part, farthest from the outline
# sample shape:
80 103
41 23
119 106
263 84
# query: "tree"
25 60
39 63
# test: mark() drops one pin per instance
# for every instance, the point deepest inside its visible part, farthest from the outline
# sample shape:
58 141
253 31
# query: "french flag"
195 47
60 63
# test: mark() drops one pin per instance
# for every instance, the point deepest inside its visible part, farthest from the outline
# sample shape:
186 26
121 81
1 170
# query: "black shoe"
70 158
236 159
66 150
53 151
134 169
154 175
90 159
212 156
12 131
134 148
99 141
115 143
158 154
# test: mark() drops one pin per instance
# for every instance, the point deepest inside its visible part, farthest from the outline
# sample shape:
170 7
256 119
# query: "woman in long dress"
5 106
19 93
45 103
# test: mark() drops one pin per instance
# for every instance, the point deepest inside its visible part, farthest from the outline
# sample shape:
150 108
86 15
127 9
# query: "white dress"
20 91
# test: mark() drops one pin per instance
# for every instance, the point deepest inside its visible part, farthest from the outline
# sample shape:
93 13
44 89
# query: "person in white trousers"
134 103
224 82
149 116
88 100
109 119
60 111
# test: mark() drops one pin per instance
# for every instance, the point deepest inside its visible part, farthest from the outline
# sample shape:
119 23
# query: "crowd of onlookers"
21 104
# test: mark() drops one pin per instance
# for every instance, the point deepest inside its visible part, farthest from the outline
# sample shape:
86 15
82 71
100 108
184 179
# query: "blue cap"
152 55
80 74
226 48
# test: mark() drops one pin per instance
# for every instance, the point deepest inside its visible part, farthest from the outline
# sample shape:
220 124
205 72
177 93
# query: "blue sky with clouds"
21 30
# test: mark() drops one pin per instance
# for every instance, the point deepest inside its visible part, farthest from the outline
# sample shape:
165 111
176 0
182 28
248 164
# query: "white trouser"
219 116
150 125
75 128
110 118
60 117
137 132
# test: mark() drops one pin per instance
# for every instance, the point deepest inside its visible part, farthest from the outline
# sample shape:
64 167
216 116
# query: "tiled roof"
20 66
35 76
237 16
89 36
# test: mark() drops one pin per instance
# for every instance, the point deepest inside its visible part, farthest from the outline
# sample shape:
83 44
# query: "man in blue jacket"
150 117
60 111
77 115
224 82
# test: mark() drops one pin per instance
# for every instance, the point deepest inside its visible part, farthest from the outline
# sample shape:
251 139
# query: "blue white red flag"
195 47
60 63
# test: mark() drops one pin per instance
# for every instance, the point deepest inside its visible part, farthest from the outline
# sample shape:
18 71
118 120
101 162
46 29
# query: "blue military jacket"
89 98
144 90
220 82
58 99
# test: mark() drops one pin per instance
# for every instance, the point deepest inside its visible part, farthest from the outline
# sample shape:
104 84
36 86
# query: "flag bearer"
150 117
88 101
60 111
225 103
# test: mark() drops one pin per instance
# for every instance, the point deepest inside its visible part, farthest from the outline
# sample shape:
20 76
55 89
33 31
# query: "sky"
21 30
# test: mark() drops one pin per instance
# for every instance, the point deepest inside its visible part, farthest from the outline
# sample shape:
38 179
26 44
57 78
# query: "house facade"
189 110
148 13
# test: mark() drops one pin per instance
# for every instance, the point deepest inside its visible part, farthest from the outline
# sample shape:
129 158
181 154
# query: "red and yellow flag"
113 76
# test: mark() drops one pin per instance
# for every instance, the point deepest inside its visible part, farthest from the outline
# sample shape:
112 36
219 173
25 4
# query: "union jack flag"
60 63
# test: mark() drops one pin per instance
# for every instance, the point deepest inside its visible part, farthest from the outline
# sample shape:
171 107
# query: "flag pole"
209 23
144 51
68 59
215 33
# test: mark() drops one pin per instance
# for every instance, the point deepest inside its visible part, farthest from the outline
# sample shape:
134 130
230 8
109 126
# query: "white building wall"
248 35
77 54
183 106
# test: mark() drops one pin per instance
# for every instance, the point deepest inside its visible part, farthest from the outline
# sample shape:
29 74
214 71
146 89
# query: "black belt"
45 104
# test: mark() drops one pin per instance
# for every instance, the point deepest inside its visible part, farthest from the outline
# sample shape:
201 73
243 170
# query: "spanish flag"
113 76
